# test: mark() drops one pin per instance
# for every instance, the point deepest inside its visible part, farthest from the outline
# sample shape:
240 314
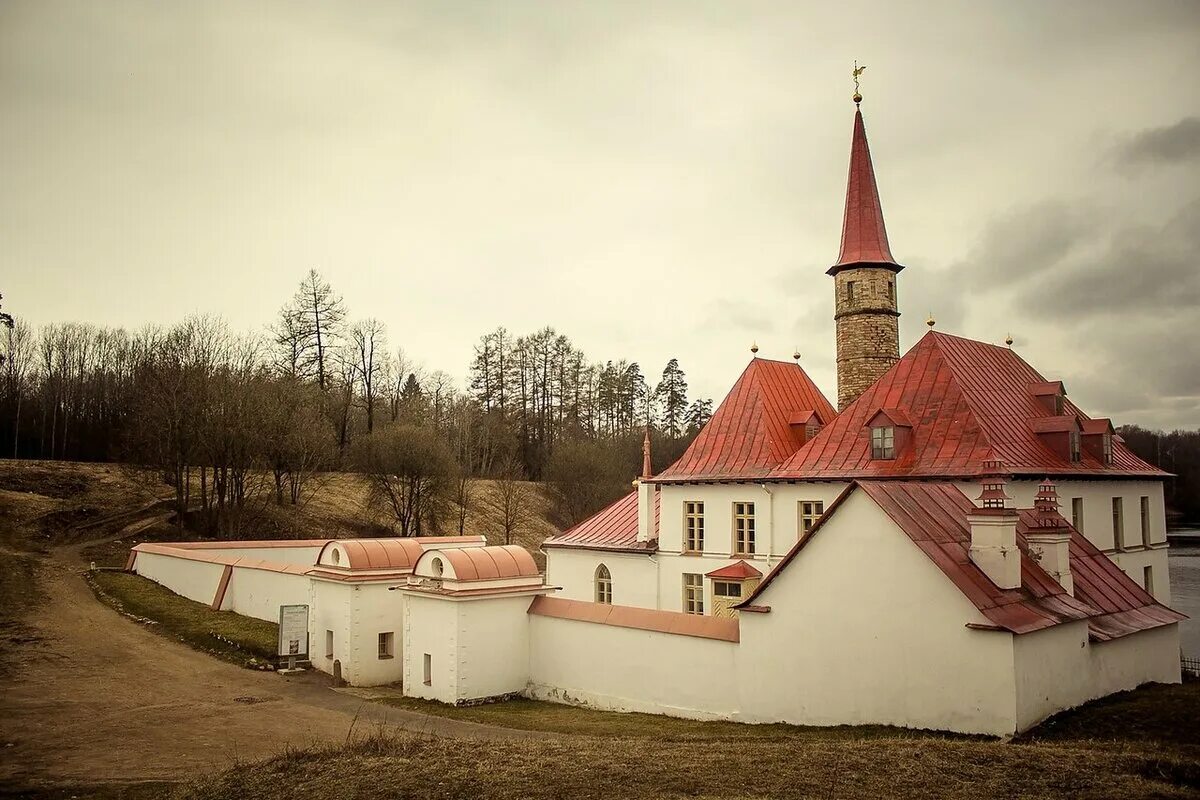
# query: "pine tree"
672 398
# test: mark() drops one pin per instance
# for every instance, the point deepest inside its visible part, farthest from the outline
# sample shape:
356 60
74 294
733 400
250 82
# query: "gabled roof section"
892 416
614 527
969 402
935 517
864 238
751 431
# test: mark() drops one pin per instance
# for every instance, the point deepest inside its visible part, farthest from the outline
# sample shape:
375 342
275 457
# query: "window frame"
1077 513
1144 513
693 593
387 644
693 526
810 512
1118 518
1107 449
1075 445
744 528
602 581
718 585
850 291
883 443
328 643
427 678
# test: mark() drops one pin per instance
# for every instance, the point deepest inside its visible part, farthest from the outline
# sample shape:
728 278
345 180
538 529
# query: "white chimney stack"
646 491
1050 541
994 531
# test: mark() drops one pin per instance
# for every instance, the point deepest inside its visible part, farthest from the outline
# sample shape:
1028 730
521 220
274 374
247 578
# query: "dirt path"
103 699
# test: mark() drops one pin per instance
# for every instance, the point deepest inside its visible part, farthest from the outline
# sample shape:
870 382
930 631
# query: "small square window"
727 589
810 512
387 644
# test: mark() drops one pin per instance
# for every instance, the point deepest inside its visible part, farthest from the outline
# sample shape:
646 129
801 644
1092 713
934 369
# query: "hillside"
46 503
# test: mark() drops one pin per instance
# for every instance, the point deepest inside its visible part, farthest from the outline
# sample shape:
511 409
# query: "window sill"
385 658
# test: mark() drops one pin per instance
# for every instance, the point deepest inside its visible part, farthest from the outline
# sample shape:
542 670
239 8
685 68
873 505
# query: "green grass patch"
222 633
534 715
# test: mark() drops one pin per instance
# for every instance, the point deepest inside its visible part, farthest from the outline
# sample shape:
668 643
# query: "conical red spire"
864 238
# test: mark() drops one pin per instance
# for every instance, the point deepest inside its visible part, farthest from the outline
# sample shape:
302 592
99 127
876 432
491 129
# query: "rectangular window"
1146 521
1077 513
891 290
693 527
883 442
329 644
1148 579
810 512
428 670
387 643
743 529
850 291
1118 524
1075 454
727 589
693 593
1107 449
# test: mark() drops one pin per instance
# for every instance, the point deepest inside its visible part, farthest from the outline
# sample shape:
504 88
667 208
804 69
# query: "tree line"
234 421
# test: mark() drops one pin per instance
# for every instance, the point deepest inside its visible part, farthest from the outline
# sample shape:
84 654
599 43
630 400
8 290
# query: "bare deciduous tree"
509 505
410 471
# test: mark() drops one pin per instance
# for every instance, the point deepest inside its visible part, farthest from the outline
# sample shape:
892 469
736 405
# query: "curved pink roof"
490 563
398 553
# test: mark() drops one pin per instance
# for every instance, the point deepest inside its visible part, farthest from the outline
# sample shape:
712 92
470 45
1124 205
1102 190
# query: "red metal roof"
934 517
614 527
969 402
751 431
864 238
737 571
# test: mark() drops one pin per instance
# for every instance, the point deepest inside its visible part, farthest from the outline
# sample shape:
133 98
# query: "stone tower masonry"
864 278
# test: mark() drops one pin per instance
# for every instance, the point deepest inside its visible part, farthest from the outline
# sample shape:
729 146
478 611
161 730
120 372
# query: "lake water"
1184 560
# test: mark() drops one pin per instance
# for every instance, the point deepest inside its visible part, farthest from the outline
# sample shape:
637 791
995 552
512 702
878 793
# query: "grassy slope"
224 634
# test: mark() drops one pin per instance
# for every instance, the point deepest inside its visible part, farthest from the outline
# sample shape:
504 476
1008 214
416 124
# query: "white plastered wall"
493 646
259 593
330 611
873 632
195 580
375 610
634 576
1059 668
625 669
777 525
430 627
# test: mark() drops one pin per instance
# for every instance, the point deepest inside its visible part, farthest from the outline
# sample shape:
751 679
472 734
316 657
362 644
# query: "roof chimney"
994 530
1050 538
646 495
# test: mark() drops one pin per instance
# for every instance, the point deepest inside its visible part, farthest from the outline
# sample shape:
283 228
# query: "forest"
227 418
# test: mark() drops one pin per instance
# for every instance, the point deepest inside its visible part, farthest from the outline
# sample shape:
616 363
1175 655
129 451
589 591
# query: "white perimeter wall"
374 610
1059 668
304 556
195 580
493 646
259 593
625 669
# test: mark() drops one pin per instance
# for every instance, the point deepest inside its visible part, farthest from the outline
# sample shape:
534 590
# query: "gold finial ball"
1008 340
796 355
931 321
857 98
754 348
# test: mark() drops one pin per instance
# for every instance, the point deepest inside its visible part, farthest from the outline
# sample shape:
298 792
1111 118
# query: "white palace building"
957 547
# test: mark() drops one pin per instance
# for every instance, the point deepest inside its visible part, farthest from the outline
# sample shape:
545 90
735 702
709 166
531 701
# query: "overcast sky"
653 179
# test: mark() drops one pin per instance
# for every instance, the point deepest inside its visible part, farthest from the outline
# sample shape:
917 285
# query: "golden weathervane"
857 71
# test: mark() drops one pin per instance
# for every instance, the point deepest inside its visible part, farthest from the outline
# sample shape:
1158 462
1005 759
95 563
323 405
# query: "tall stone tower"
864 280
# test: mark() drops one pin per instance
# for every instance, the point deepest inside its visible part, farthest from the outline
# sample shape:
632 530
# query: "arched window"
437 567
603 585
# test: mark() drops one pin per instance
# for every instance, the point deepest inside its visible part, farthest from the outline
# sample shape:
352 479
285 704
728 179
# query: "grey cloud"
1178 142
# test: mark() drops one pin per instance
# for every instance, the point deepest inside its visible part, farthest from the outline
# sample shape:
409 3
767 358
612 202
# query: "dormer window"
1051 394
1076 455
1106 443
1098 439
883 442
891 431
805 424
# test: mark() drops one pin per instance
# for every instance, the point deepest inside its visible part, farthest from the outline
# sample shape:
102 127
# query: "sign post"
293 633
